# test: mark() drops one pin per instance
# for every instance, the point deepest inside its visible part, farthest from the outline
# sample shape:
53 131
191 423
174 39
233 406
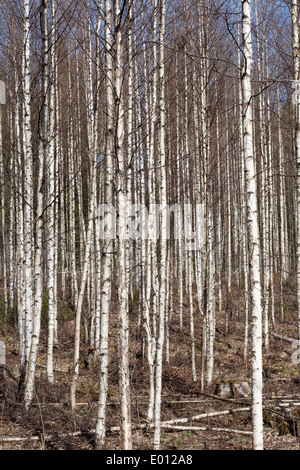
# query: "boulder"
233 389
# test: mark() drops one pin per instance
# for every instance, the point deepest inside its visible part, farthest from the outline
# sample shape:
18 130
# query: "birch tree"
27 218
38 282
253 232
163 265
100 432
296 59
123 320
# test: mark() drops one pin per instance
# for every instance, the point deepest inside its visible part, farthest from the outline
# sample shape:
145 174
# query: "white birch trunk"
123 320
253 233
296 57
163 200
52 311
27 147
100 431
38 273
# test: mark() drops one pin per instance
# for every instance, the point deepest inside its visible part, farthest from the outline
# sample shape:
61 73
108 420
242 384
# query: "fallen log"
283 338
205 428
206 415
117 428
43 437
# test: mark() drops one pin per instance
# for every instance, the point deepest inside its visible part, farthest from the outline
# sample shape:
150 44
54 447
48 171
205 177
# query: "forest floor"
51 424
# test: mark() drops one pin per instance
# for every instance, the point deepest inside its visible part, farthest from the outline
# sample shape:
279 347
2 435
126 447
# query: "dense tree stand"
150 224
